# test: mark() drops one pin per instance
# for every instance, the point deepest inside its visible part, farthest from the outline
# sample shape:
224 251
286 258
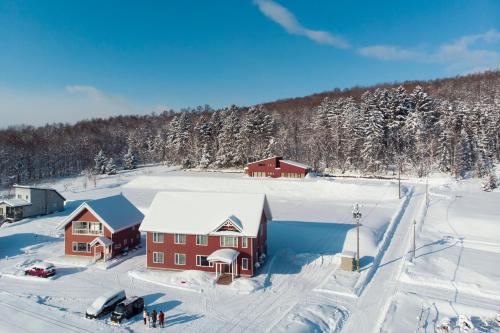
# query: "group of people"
150 320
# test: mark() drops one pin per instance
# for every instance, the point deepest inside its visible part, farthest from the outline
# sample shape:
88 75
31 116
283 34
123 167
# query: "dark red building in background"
277 167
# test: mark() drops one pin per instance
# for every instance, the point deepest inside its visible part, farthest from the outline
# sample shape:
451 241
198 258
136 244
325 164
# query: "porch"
101 248
226 265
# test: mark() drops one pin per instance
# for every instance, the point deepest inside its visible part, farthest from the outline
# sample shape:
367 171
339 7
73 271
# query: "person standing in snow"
161 318
145 316
153 317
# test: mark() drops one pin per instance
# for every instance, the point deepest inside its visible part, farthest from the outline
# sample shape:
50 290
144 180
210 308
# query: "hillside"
451 125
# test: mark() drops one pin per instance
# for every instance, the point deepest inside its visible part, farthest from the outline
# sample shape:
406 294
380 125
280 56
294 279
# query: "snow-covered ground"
300 289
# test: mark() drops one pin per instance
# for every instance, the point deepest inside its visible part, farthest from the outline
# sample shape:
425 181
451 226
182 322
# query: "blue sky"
70 60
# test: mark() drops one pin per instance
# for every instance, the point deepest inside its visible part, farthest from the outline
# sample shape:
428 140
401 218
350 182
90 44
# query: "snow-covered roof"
202 213
43 265
39 188
15 202
224 255
267 159
104 241
297 164
115 212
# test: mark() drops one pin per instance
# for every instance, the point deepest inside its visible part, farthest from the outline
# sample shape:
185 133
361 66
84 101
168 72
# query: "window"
1 211
27 197
118 246
81 247
157 237
180 259
244 263
202 240
244 242
125 242
180 239
228 241
203 262
158 257
19 196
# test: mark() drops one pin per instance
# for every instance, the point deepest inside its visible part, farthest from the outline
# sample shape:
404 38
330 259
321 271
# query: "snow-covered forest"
450 125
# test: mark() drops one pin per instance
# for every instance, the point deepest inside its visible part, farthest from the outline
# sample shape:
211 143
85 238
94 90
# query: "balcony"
79 231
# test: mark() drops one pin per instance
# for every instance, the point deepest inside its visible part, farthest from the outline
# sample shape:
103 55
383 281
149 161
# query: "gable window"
244 242
81 247
180 239
228 241
202 240
158 257
244 263
202 261
180 259
158 237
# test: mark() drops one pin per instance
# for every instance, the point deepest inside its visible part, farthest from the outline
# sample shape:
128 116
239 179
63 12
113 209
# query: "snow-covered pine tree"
111 167
425 119
490 181
229 139
322 133
373 145
100 162
463 156
258 129
129 160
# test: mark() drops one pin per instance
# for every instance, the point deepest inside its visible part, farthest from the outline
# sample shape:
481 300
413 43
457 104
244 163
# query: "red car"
41 269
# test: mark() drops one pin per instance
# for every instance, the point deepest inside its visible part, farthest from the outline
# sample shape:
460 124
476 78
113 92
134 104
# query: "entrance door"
226 268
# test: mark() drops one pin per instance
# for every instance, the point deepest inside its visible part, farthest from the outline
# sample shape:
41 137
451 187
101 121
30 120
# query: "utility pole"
356 214
399 179
414 238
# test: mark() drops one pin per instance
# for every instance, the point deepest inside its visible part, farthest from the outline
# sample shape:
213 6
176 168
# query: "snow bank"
312 318
190 280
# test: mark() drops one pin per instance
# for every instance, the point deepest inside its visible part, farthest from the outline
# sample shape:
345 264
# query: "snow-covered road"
369 310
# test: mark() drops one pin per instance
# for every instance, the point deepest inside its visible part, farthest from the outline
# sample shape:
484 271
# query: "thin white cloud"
389 52
289 22
74 103
468 53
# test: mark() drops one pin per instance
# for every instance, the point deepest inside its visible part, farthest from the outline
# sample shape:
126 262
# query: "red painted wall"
292 168
269 165
132 235
275 167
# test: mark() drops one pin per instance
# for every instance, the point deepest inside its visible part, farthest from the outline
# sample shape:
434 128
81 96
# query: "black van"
127 309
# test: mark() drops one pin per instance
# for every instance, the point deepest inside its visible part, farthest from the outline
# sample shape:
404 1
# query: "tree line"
448 125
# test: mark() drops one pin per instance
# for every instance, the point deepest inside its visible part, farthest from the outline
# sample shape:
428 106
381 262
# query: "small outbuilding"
102 228
348 261
276 167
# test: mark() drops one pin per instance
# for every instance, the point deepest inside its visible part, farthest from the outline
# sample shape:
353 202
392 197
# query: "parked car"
105 304
127 309
41 269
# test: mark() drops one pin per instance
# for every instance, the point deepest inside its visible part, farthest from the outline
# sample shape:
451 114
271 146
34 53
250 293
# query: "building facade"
102 228
31 201
226 234
276 167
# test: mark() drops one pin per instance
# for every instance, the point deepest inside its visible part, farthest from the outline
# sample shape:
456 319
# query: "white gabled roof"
201 213
104 241
297 164
115 212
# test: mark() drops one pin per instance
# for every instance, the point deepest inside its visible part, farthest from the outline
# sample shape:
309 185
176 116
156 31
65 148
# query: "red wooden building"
224 233
102 228
277 167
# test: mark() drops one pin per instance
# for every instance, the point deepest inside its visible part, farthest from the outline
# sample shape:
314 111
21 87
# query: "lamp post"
356 214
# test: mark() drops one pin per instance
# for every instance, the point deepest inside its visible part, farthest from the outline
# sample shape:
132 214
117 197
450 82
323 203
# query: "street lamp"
356 214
